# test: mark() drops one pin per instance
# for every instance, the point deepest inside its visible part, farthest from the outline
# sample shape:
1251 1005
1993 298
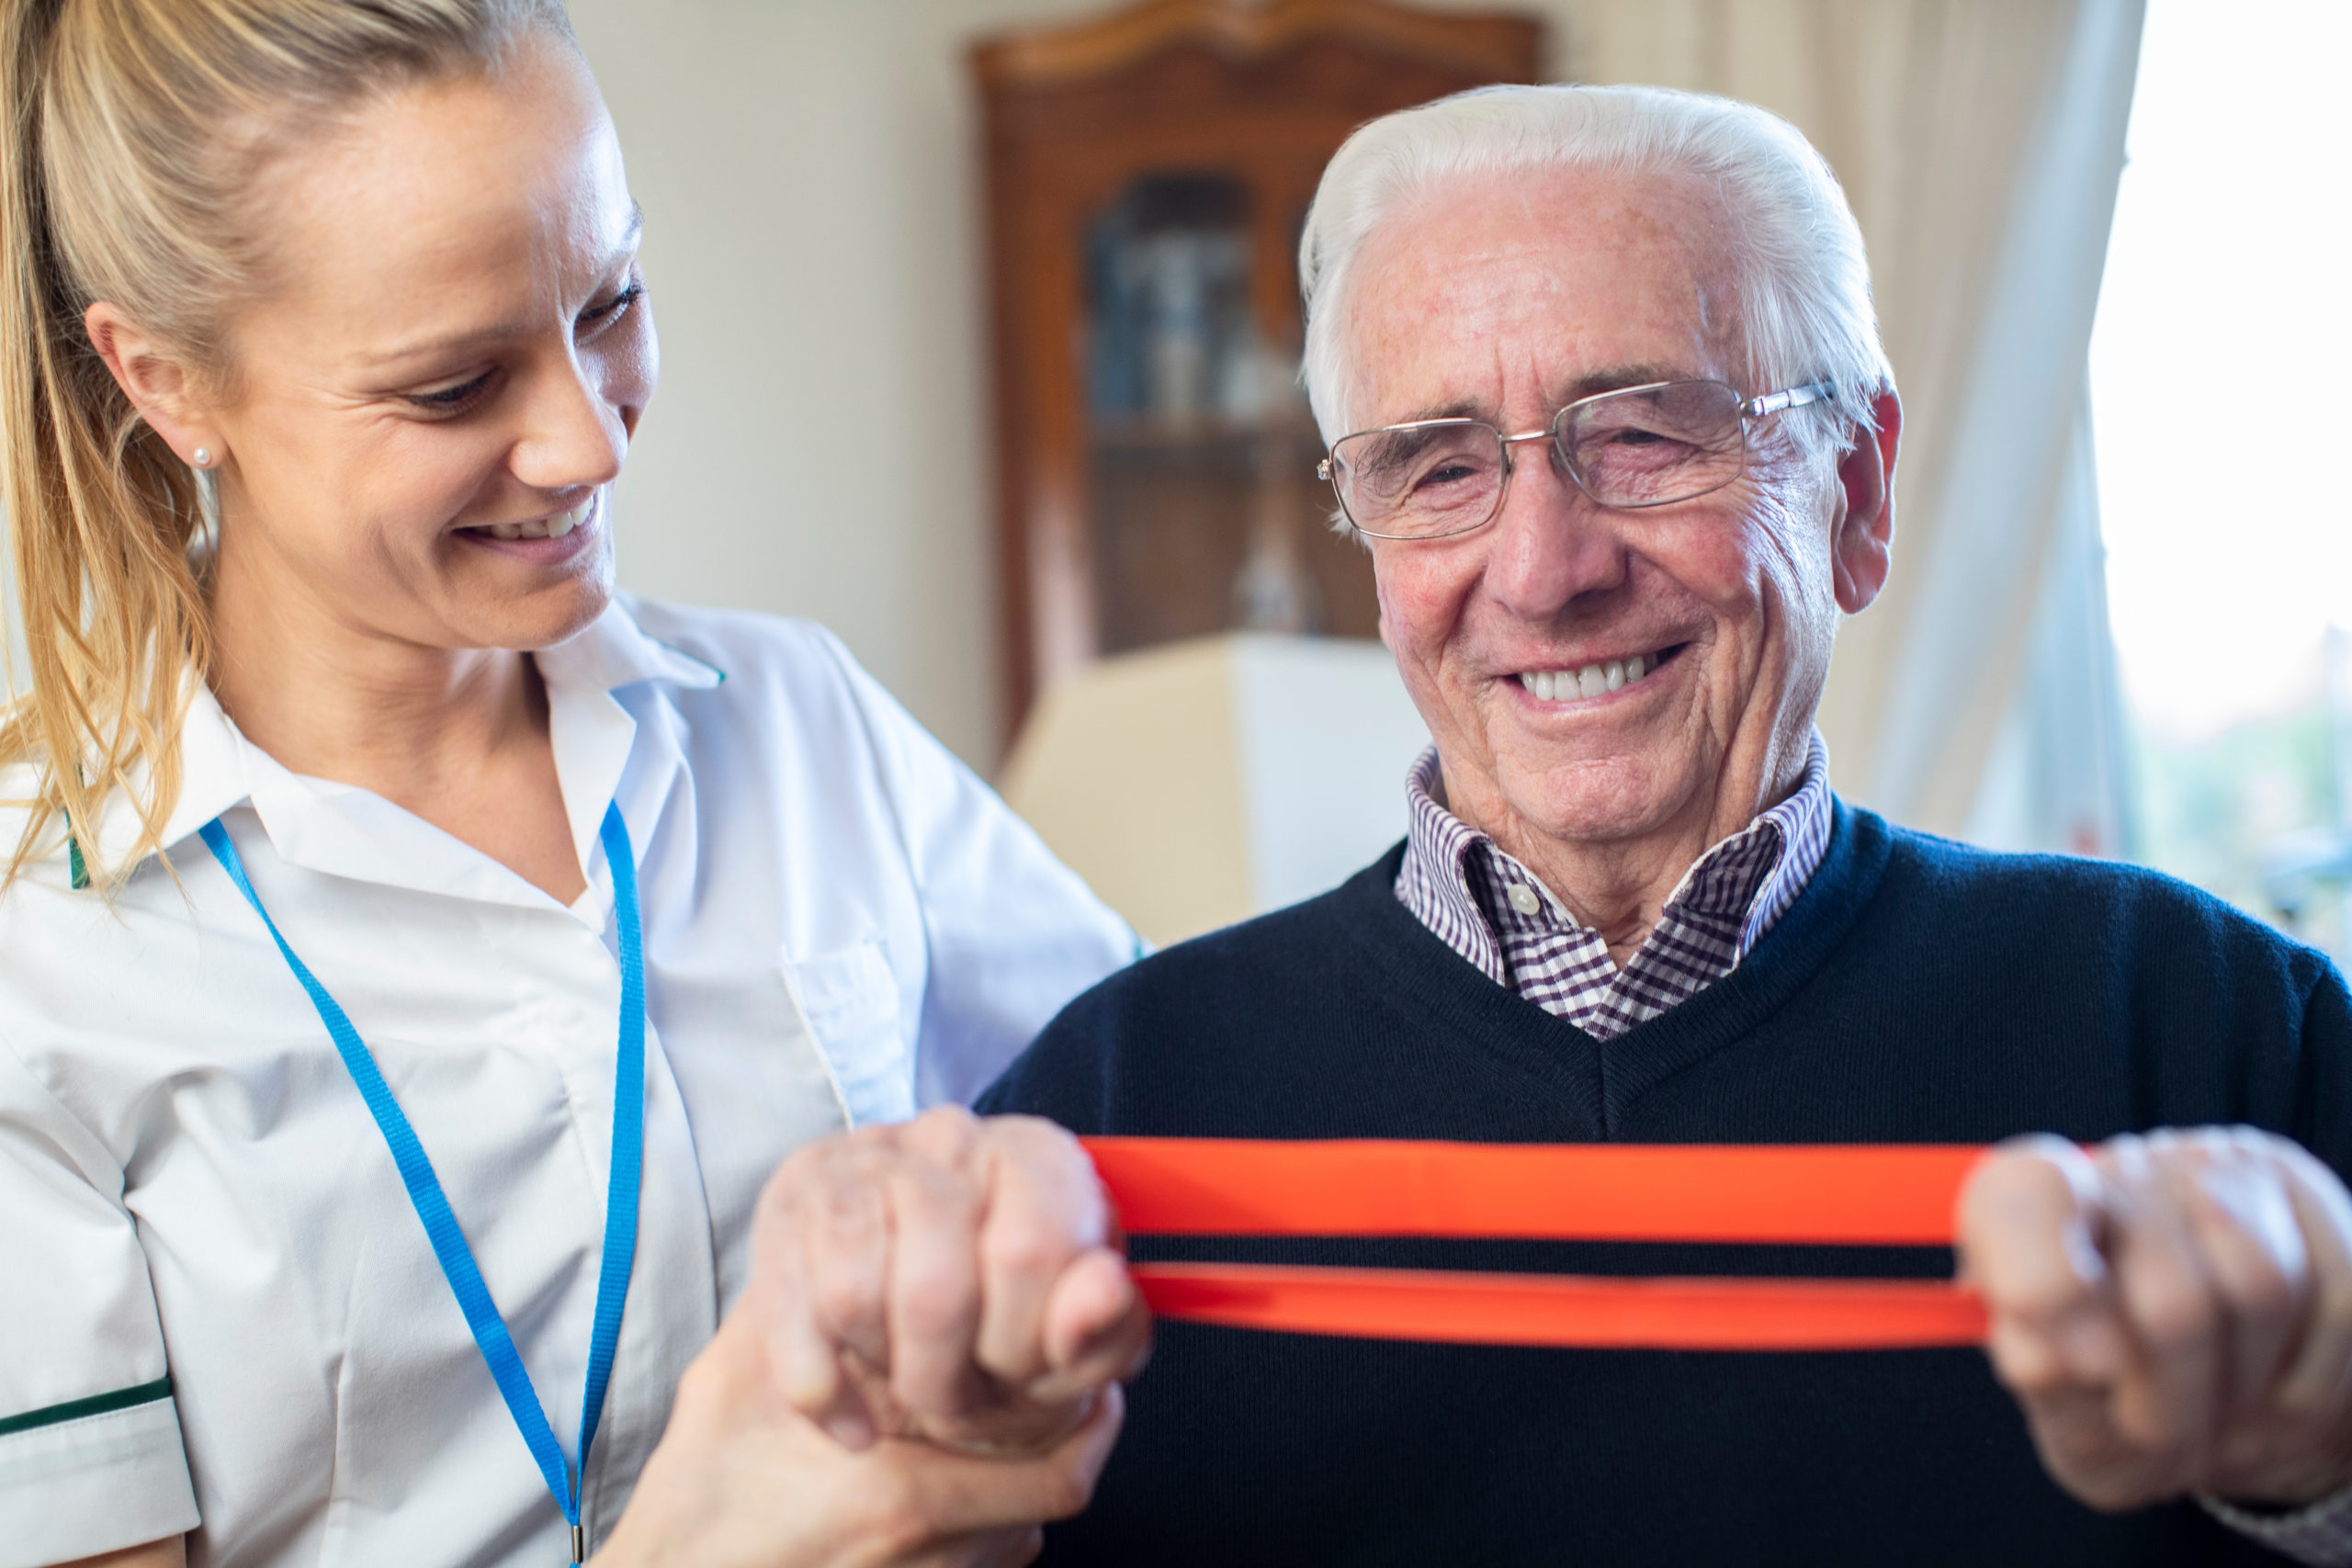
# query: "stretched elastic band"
1879 1195
1568 1311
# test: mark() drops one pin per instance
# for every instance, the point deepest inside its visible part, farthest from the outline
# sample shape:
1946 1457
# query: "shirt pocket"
850 998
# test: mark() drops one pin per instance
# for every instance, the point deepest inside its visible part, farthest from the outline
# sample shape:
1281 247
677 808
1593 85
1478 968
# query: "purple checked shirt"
1495 913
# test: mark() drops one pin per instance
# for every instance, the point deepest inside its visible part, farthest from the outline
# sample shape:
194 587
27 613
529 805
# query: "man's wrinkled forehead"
1499 292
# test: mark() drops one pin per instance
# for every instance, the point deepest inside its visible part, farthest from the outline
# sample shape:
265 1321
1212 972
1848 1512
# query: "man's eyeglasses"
1648 446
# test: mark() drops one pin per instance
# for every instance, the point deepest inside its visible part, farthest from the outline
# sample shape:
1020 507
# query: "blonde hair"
129 131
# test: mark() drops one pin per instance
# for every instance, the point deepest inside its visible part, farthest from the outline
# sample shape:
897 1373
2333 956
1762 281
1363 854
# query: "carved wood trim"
1493 45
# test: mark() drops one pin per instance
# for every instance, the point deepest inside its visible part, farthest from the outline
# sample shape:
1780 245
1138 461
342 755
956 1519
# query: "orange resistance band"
1855 1195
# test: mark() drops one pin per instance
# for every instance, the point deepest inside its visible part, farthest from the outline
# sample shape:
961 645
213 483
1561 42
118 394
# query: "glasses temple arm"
1794 397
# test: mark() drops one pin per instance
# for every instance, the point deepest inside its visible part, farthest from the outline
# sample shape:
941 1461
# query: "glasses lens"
1648 446
1420 480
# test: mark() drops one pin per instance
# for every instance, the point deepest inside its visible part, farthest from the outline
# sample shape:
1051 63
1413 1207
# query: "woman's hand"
923 1368
744 1480
947 1279
2174 1312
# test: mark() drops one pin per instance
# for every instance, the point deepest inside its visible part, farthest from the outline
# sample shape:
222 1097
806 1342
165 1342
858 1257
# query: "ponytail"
100 516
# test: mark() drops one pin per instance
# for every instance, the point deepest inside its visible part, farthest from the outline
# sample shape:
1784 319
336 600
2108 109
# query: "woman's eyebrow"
631 232
449 344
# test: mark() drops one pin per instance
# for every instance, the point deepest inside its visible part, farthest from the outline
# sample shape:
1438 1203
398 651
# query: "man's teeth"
1592 680
554 527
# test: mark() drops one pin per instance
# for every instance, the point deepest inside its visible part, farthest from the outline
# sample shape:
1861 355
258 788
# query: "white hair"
1803 282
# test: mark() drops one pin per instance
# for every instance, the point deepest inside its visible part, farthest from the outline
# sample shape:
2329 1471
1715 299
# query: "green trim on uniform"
95 1404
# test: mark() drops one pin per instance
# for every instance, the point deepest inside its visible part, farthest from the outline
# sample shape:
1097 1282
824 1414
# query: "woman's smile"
550 540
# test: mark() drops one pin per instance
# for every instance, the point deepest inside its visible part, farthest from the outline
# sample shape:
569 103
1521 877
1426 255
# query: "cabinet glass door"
1205 512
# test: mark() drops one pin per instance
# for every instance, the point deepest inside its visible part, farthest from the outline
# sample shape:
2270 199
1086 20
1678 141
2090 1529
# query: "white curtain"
2056 776
1980 141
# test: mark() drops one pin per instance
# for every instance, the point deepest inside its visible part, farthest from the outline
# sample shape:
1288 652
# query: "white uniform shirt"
841 924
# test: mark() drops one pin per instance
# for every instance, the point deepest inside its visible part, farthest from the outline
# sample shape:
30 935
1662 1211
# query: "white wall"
820 443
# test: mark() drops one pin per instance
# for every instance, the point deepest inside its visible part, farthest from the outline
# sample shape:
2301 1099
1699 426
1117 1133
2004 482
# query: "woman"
373 863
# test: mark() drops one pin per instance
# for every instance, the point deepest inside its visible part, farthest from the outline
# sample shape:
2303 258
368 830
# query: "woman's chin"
539 619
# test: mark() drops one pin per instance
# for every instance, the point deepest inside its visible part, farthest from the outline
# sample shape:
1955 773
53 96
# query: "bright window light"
2218 382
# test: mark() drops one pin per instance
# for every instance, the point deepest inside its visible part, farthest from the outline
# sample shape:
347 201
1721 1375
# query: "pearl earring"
203 457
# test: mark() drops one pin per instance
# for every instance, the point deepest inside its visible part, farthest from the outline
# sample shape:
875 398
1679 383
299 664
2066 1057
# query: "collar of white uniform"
346 831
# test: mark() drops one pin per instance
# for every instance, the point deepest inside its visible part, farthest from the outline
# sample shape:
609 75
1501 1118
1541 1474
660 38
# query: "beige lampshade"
1202 782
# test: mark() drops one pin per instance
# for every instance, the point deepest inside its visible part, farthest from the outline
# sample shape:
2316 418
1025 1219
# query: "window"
2218 389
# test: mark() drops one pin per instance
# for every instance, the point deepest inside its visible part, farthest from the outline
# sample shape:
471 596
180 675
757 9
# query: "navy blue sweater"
1919 991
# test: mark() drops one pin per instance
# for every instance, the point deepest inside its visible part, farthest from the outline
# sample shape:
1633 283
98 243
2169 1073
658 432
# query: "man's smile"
1597 677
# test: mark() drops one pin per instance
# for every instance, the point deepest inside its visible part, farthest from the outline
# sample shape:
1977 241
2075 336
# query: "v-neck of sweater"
1415 969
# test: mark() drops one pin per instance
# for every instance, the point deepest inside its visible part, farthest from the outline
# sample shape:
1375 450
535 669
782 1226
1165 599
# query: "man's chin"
1605 800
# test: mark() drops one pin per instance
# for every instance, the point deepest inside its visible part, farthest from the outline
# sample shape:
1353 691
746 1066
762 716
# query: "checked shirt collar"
1490 909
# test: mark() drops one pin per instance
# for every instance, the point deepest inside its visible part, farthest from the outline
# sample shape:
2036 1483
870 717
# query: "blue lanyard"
441 1225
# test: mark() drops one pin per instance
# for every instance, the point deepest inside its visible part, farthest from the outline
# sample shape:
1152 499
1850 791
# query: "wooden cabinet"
1147 175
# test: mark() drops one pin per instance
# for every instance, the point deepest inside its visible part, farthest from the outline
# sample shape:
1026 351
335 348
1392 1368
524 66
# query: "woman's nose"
571 436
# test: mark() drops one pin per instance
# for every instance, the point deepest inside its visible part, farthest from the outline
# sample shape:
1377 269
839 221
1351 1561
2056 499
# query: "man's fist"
2173 1311
947 1299
950 1279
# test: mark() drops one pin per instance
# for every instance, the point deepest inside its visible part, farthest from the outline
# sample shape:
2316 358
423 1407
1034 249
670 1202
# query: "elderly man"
1606 400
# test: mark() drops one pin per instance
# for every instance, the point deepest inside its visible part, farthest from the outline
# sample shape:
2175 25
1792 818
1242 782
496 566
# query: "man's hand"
949 1280
945 1297
2174 1312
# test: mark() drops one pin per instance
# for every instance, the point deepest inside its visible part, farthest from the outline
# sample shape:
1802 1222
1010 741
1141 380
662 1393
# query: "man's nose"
1551 544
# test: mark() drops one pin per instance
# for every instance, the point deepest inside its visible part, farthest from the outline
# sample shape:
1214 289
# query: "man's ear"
156 380
1863 549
